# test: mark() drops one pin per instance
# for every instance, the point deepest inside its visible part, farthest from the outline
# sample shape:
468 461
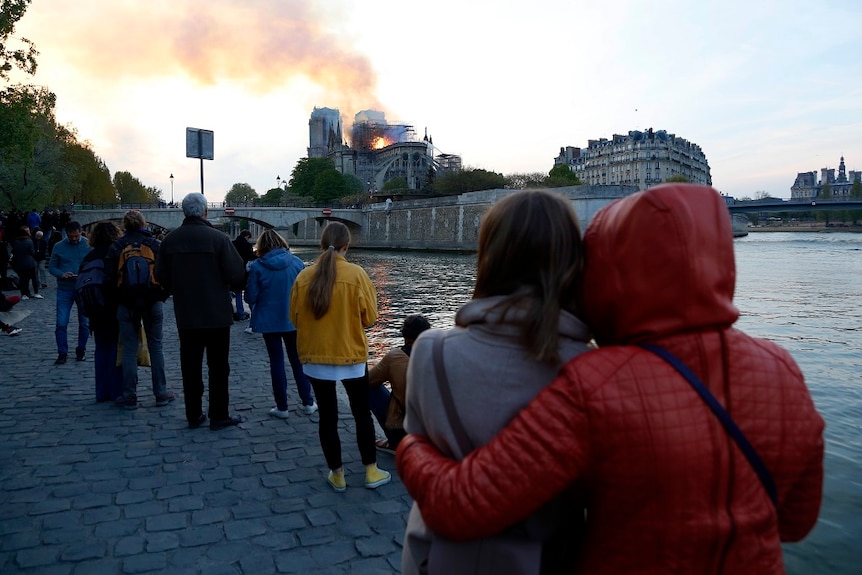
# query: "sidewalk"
87 487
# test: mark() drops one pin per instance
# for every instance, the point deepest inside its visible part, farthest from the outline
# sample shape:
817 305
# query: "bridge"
773 206
269 217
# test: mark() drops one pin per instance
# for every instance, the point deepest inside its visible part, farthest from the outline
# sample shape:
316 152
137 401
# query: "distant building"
808 187
639 158
377 151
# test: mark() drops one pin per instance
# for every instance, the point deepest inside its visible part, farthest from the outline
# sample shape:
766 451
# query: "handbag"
508 553
724 417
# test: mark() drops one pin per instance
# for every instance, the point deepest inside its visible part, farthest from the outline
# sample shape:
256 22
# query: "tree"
329 185
825 191
354 185
856 189
272 197
467 180
305 172
240 194
130 190
399 183
560 176
23 58
525 181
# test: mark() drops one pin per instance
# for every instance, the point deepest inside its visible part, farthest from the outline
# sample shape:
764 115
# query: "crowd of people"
592 410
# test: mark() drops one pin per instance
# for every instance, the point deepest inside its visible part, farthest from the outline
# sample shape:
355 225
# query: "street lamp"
172 189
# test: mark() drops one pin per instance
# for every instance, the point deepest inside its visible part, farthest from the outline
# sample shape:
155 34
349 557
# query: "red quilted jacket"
666 489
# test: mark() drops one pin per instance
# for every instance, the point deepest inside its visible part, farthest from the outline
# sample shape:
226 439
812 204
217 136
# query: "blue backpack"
90 288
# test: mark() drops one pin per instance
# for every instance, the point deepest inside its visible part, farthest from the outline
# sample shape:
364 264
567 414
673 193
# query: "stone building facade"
642 159
808 187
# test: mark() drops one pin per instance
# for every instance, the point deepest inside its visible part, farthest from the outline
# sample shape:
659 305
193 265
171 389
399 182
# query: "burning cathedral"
377 151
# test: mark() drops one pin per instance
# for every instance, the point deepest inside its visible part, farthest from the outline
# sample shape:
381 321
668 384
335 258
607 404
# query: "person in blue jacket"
270 279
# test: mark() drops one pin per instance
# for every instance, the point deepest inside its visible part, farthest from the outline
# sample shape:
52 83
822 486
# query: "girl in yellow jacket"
331 304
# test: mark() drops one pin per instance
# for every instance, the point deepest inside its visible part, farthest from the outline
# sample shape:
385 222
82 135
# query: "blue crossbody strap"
727 421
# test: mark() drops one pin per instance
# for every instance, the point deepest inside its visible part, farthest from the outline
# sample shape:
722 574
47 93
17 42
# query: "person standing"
24 263
244 249
199 266
331 304
40 247
103 322
66 258
137 304
270 280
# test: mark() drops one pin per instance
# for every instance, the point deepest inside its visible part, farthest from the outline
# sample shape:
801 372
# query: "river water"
802 290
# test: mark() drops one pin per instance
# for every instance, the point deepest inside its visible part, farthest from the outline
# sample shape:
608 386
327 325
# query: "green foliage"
24 57
305 173
329 185
130 190
272 197
560 176
89 177
399 183
354 185
240 194
825 191
467 180
678 178
856 189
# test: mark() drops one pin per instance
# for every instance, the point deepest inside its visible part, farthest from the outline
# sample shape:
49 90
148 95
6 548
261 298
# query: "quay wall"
450 223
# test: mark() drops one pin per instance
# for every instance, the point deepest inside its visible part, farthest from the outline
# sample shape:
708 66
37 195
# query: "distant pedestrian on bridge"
199 266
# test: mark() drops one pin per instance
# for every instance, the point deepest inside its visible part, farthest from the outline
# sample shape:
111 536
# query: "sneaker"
384 446
279 413
163 400
248 330
198 422
217 424
80 355
23 297
38 296
309 409
337 482
375 477
61 359
127 401
11 330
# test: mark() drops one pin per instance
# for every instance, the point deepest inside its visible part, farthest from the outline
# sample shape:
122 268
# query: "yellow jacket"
338 338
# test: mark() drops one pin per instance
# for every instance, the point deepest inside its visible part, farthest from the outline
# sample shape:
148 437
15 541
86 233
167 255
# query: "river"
802 290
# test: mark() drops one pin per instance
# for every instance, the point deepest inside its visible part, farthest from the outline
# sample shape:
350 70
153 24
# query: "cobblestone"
89 488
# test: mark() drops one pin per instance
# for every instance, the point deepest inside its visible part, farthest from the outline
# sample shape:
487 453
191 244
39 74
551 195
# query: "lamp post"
172 190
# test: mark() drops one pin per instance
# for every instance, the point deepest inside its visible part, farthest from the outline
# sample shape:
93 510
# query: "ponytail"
335 237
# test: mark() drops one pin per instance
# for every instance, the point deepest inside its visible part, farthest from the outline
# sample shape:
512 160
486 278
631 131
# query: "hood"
486 311
658 263
275 260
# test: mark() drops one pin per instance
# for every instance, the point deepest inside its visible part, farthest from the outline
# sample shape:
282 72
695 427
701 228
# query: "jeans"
216 343
378 400
277 372
130 322
327 402
65 300
240 310
109 376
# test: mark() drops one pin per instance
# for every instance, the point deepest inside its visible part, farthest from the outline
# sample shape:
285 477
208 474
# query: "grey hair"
195 204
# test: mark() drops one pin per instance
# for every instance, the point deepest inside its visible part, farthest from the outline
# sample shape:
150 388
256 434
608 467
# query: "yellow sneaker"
375 477
337 482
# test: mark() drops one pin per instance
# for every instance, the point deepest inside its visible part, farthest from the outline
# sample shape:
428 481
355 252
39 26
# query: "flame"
379 142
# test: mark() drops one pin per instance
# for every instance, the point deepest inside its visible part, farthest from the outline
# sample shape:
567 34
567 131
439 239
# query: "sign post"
199 144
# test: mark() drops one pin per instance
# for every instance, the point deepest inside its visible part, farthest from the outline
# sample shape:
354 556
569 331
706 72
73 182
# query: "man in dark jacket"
244 249
199 266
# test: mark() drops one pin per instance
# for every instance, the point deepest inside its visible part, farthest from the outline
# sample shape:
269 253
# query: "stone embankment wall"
450 223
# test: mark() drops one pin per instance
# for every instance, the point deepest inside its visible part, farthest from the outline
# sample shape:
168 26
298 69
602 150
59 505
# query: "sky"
767 89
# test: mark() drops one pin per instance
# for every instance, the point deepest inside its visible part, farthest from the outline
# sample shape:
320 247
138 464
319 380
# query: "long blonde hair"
335 236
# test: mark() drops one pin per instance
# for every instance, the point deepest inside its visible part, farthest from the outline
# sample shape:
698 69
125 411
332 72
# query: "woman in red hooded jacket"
667 489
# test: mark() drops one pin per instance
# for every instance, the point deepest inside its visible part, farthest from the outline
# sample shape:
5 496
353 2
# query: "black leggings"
25 278
327 403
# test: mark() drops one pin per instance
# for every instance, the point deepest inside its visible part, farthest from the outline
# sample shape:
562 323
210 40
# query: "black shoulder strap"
446 395
719 411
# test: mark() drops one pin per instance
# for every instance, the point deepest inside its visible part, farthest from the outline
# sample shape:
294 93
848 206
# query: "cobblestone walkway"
87 487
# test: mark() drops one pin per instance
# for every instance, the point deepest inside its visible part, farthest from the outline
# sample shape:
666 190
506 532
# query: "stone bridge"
269 217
